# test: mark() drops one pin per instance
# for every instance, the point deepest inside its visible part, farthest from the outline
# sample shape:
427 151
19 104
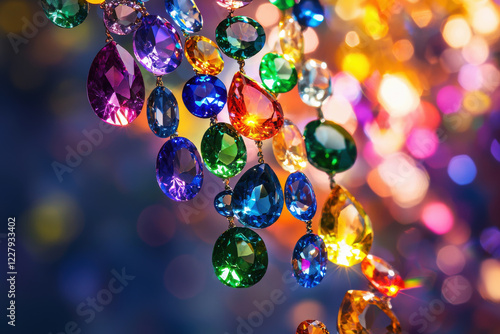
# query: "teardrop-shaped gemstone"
299 196
157 46
309 13
223 203
204 95
223 150
66 13
204 55
346 228
309 260
291 39
179 170
329 146
312 327
239 258
233 4
258 197
122 18
382 275
240 37
284 4
314 83
115 87
277 74
185 14
163 112
289 148
253 111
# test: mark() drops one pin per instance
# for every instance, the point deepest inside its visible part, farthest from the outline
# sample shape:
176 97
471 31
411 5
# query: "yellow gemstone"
204 55
289 148
346 228
291 39
362 312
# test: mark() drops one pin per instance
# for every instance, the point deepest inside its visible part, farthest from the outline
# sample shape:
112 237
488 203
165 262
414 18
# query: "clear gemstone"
314 83
186 15
309 260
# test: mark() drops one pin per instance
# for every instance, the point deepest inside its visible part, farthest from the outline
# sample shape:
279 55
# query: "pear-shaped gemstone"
258 197
291 39
314 83
115 86
299 196
163 112
382 275
312 327
309 13
309 260
289 148
122 18
204 55
240 37
233 4
66 13
277 74
253 111
186 15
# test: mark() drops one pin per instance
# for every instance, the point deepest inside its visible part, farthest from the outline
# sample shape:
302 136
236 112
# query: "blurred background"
416 82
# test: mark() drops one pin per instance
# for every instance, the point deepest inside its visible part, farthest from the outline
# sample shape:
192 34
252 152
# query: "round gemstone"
291 39
66 13
289 148
233 4
157 46
277 74
240 37
222 203
204 55
283 4
163 112
312 327
299 196
122 18
185 14
309 13
309 260
314 83
223 150
239 258
204 95
382 275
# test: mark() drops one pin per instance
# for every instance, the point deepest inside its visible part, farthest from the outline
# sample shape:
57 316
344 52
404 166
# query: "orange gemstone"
382 275
204 55
312 327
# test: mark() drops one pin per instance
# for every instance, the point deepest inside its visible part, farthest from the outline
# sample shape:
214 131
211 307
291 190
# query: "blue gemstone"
204 96
258 197
299 196
309 13
179 170
163 112
222 203
309 260
186 14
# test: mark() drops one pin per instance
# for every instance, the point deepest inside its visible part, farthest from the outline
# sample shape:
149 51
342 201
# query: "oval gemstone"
66 13
239 258
204 55
240 37
163 112
277 74
309 13
253 111
233 4
314 83
204 95
299 196
291 39
157 46
283 4
309 260
312 327
289 148
179 170
382 275
258 197
223 150
346 228
329 146
122 18
185 14
222 203
115 86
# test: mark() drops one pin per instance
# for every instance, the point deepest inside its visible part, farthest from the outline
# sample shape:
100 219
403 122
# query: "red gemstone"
253 111
382 275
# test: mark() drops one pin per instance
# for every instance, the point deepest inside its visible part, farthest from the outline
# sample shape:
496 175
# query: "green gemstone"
283 4
66 13
239 257
240 37
329 146
223 150
277 74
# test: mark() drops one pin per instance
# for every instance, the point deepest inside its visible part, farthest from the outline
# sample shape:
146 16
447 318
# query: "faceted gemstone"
253 111
204 95
291 39
299 196
277 74
122 18
185 14
314 83
157 46
240 37
204 55
346 228
382 275
223 150
329 146
222 203
115 86
239 258
233 4
309 13
283 4
66 13
312 327
179 170
258 197
163 112
289 148
309 260
362 312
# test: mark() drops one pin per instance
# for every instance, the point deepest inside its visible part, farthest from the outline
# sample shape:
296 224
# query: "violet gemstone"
115 86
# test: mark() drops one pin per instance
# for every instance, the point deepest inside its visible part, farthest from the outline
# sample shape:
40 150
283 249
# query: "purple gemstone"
122 18
115 86
157 46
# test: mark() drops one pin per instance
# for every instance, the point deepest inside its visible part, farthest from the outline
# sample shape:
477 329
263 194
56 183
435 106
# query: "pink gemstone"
233 4
122 18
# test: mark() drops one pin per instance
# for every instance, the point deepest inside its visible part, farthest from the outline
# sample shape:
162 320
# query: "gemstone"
314 83
163 112
291 39
233 4
204 55
329 146
299 196
362 312
122 18
346 228
312 327
253 111
239 258
223 150
283 4
277 74
179 170
309 260
157 46
309 13
240 37
222 203
258 197
115 86
204 95
382 275
185 14
289 148
66 13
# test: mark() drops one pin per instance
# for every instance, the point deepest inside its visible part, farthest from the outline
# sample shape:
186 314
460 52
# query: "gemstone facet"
291 39
204 95
277 74
314 83
163 112
382 275
299 196
283 4
289 148
309 13
122 18
240 37
204 55
222 203
66 13
309 260
233 4
186 15
312 327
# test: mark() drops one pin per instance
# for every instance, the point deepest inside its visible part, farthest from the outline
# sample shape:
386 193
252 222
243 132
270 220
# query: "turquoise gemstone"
240 37
299 196
309 260
186 15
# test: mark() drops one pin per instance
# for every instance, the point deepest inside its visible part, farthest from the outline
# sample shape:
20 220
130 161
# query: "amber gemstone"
382 275
291 39
204 55
312 327
289 148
